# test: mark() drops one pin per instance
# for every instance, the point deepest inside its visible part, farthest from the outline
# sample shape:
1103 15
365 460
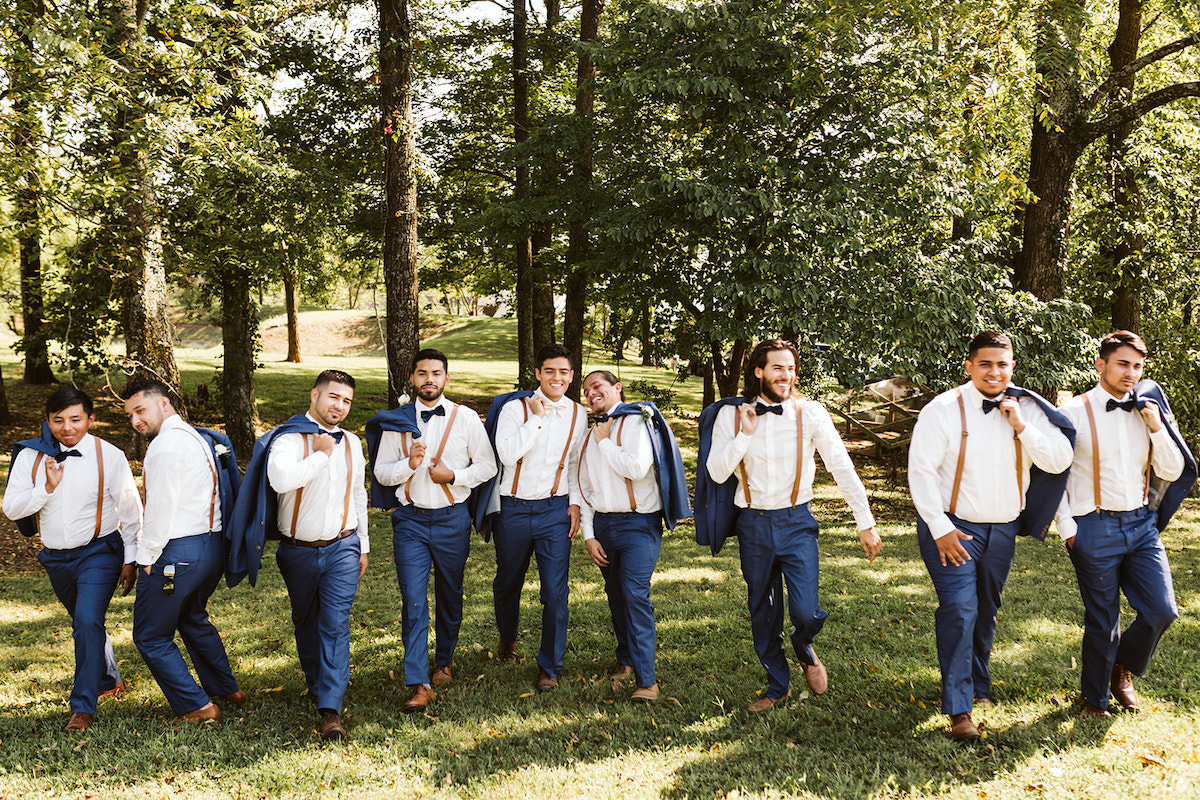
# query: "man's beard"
768 391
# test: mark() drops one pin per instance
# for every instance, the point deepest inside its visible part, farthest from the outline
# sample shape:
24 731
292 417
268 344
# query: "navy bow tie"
988 405
1124 405
440 411
763 408
337 435
65 454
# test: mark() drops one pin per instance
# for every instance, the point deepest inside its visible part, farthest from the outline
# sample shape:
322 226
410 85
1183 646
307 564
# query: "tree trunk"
543 291
575 312
148 338
5 414
293 316
648 359
238 323
523 251
1124 256
400 194
728 372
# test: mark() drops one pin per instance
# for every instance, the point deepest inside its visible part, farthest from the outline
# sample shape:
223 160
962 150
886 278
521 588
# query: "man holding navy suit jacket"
1111 520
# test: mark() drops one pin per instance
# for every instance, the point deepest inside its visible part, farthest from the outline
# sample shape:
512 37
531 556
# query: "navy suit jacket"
1165 498
46 444
482 507
255 514
668 462
716 511
1045 488
399 420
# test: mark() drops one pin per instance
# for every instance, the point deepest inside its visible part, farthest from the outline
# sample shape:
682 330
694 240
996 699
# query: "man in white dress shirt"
968 473
537 440
1110 528
769 441
78 493
433 476
181 557
318 472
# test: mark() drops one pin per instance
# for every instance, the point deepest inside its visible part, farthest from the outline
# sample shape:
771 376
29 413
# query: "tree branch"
1128 113
1135 66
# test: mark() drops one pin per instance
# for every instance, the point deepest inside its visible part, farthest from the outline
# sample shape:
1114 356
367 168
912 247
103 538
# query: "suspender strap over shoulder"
799 452
1087 404
962 451
37 462
521 460
562 460
628 483
349 486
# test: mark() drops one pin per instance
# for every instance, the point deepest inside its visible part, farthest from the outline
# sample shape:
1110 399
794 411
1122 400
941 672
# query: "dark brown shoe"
238 698
620 670
645 694
545 683
962 728
113 692
79 723
1090 711
816 676
208 715
422 696
506 652
331 727
441 676
1122 688
765 703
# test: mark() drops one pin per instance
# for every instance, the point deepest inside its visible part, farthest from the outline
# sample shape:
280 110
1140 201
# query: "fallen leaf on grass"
276 689
1152 761
676 702
527 694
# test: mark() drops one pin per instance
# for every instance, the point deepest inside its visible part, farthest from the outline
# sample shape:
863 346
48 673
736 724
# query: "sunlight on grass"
690 575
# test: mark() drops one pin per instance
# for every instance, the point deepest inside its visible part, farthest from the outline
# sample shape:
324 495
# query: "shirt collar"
309 417
62 448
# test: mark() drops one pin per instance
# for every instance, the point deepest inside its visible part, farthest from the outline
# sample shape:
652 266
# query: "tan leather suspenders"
737 427
1087 404
962 457
349 486
405 444
37 462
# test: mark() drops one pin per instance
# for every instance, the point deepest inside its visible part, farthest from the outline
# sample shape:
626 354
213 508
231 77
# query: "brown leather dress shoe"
331 727
545 683
816 676
79 723
962 727
238 698
209 714
422 696
441 676
645 694
506 652
1122 688
620 670
764 703
113 692
1090 711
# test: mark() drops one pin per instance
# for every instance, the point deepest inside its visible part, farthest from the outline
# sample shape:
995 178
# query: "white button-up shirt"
326 487
770 459
989 492
468 454
67 516
604 466
179 477
539 444
1124 449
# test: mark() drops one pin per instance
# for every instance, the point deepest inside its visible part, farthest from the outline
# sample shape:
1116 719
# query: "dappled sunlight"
688 575
21 613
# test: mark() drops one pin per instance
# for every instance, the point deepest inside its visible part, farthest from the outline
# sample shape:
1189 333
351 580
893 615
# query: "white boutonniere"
403 400
647 414
221 450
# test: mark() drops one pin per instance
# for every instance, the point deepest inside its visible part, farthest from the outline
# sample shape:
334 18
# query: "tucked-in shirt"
179 475
1124 450
540 444
605 465
324 511
67 516
989 492
468 454
769 456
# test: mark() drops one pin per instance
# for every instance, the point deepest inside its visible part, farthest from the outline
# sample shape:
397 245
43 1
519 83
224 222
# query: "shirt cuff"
940 526
1031 435
1066 527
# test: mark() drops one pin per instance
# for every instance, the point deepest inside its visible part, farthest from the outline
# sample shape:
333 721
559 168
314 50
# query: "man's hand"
128 579
599 557
573 513
600 429
362 565
872 545
1150 414
1011 409
54 473
440 473
749 419
950 550
146 569
1070 543
416 455
536 406
322 443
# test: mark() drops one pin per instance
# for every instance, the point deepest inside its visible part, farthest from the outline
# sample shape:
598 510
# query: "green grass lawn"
876 734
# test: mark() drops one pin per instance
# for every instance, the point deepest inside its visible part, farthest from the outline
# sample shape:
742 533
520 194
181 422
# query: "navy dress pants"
83 579
321 584
436 539
199 561
1114 552
538 528
776 547
632 542
968 599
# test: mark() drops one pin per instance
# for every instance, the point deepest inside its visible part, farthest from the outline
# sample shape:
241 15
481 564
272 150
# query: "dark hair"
988 339
429 354
333 376
64 397
751 386
608 377
149 386
553 350
1118 339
